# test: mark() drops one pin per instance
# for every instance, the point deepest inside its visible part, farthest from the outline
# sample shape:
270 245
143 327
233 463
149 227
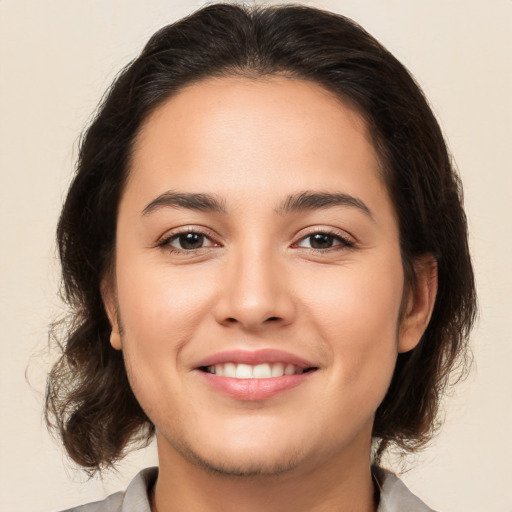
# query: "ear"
110 303
420 303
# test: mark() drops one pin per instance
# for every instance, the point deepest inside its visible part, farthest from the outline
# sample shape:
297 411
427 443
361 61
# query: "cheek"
356 314
161 306
160 310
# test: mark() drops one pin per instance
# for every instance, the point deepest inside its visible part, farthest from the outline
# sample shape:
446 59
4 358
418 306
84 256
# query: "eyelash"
344 242
166 242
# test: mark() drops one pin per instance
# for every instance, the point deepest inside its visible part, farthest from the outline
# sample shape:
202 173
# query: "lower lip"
255 389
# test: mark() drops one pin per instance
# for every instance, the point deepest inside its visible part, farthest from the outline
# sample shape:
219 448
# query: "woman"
266 253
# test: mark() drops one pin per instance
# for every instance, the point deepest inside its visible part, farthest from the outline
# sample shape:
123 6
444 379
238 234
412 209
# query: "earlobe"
110 305
420 305
115 338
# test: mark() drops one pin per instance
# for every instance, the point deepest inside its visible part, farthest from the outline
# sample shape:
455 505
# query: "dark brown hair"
89 401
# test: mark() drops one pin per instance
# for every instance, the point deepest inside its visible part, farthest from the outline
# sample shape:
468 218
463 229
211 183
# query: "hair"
89 401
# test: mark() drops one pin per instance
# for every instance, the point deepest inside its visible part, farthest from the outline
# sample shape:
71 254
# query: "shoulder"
134 499
394 495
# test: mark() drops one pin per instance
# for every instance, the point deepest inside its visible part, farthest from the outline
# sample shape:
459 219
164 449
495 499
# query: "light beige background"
56 59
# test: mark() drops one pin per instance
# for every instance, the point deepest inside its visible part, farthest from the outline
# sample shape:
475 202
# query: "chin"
247 458
248 466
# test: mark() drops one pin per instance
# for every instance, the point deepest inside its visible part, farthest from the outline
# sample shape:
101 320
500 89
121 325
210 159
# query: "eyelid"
347 240
163 241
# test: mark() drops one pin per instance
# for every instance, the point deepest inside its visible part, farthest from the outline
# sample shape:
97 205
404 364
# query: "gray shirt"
394 496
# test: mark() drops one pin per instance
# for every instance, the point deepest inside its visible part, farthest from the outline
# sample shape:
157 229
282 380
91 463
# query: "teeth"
243 371
289 370
260 371
229 370
277 370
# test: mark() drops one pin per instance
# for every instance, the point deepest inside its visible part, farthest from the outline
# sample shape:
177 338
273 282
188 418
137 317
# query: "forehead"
248 136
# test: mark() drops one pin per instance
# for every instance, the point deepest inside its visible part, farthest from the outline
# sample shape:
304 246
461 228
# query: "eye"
187 241
323 241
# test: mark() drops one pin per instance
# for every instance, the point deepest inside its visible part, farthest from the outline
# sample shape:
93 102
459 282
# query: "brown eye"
187 241
323 241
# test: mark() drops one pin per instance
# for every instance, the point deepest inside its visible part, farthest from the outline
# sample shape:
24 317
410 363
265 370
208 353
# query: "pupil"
321 241
191 240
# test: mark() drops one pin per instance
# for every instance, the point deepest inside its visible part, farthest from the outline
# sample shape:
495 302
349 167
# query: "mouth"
260 371
249 376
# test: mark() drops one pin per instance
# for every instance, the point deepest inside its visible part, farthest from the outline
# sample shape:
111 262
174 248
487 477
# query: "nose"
256 293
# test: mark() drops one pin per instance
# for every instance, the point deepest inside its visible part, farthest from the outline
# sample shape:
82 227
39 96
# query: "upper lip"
255 357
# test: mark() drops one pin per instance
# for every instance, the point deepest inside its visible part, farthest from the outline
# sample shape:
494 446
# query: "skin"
256 283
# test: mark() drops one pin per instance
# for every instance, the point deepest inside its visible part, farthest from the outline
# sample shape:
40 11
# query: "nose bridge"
255 292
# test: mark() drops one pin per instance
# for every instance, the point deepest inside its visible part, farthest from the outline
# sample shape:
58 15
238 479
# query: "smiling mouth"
259 371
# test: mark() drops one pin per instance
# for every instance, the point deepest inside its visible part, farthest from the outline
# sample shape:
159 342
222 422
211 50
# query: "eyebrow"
306 201
302 201
190 201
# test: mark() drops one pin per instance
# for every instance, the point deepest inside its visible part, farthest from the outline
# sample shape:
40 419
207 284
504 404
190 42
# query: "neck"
334 486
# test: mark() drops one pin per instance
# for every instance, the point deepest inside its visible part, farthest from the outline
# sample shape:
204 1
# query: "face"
258 279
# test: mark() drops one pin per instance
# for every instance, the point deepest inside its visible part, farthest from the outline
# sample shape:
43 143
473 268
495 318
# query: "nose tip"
255 296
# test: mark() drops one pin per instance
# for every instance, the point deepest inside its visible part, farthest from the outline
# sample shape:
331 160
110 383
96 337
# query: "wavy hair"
89 401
